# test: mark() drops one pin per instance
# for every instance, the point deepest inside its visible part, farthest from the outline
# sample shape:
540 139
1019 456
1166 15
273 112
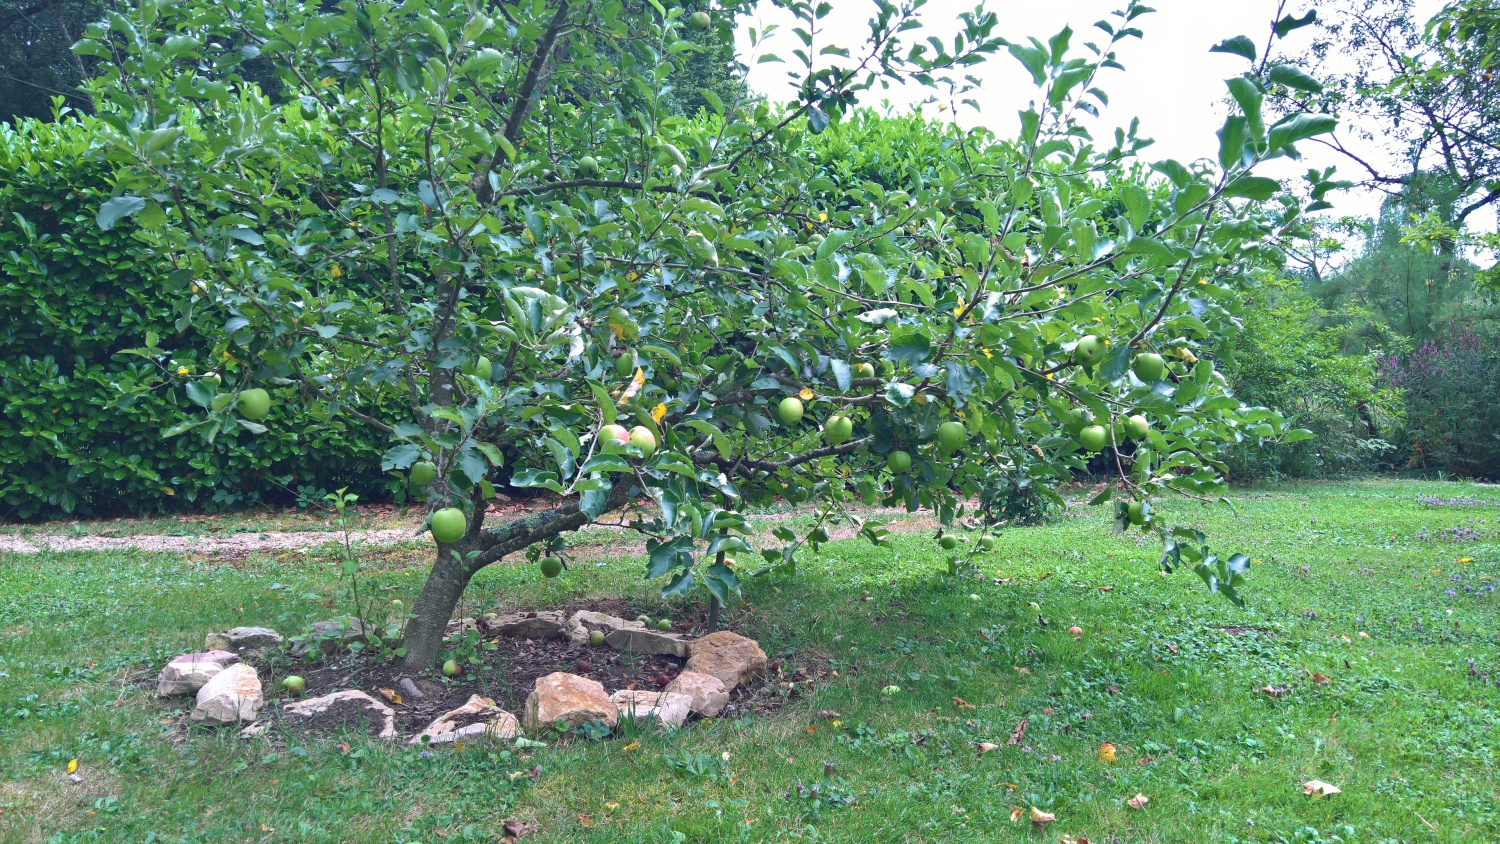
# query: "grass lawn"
1391 599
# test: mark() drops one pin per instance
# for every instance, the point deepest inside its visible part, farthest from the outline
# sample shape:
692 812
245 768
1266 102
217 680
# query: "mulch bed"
507 673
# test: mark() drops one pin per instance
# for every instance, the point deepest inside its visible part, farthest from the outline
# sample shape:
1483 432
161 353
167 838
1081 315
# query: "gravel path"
234 544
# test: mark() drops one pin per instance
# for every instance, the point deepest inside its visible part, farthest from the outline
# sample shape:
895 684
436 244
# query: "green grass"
1403 727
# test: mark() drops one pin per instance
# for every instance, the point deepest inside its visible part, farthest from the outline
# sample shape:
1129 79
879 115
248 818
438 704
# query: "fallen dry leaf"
963 704
343 747
1172 646
1273 691
1113 689
1018 733
1138 802
1106 588
1049 712
1316 677
1015 813
1068 839
390 695
1107 753
1040 819
635 745
1318 788
585 820
515 830
987 746
1021 669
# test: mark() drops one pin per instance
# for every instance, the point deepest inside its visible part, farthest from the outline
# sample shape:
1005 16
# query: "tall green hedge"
82 423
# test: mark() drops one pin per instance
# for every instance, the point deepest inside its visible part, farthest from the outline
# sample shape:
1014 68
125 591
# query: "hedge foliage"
83 421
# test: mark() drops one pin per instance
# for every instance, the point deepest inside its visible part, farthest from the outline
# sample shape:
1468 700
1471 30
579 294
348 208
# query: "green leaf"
1294 77
1290 23
1257 188
1239 45
114 210
1232 141
1300 127
1249 97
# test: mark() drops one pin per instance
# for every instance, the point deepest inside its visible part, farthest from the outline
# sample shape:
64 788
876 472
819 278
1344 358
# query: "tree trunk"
434 607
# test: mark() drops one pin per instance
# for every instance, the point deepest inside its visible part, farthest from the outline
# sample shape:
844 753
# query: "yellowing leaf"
1318 788
636 384
987 746
1015 813
806 394
635 745
72 765
1107 753
658 413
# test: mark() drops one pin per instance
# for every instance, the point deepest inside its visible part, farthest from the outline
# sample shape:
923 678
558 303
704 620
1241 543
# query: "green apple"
625 364
1089 351
1149 367
865 370
612 438
588 166
212 378
985 543
642 438
294 685
451 669
423 472
1136 427
596 637
790 410
448 525
255 404
1093 437
838 429
951 435
644 619
664 625
899 462
949 542
700 21
1136 513
551 566
480 368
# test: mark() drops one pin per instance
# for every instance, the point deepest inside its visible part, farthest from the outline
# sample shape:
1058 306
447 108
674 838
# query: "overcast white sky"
1171 81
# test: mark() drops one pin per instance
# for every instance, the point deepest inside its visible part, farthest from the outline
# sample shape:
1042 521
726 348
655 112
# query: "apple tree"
489 215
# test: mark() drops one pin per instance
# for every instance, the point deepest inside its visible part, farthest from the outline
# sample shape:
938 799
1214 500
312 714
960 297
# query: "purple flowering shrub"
1452 390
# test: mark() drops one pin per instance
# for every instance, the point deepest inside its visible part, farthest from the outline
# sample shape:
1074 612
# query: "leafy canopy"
545 248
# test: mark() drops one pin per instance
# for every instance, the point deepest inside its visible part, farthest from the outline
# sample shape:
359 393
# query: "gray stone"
188 673
647 642
707 692
529 625
583 621
480 719
332 636
243 639
668 709
231 696
570 700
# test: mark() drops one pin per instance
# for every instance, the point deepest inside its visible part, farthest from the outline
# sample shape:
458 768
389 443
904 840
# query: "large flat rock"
568 700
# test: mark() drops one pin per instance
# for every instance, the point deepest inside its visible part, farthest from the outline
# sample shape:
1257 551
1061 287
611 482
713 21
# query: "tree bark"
452 571
434 607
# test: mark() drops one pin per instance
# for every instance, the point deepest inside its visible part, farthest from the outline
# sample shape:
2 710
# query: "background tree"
551 254
36 64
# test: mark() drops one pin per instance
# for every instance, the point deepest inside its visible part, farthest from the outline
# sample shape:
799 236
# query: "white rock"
706 691
496 724
231 696
669 709
188 673
376 718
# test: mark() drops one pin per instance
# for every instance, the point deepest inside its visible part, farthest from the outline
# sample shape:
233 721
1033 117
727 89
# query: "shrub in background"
1452 388
81 418
1292 355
